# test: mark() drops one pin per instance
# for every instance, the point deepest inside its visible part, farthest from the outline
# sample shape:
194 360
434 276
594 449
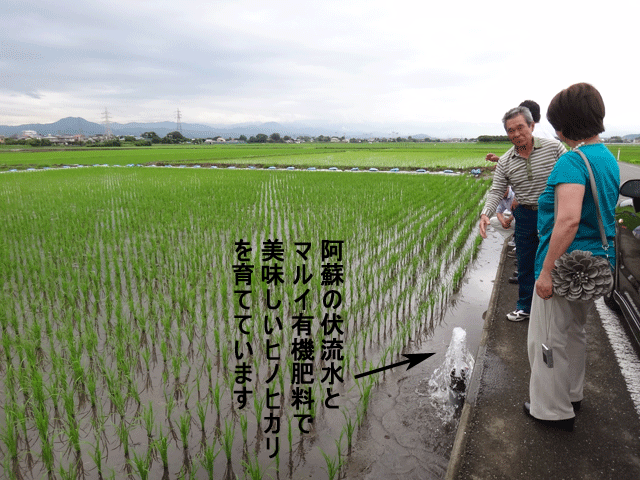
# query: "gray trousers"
559 324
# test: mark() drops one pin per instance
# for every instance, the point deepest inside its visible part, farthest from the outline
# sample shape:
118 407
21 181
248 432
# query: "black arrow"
413 360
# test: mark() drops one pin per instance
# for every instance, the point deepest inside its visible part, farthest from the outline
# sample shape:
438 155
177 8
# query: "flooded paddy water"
410 432
125 333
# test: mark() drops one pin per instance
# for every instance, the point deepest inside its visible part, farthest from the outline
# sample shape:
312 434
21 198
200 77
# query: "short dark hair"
534 108
577 112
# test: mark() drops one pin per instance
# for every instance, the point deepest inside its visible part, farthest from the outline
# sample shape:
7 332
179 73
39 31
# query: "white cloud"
328 61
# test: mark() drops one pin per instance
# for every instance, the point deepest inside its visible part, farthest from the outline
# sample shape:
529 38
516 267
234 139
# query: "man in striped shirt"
526 167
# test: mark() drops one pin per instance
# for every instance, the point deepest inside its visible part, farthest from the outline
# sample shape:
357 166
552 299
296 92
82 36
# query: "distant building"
64 139
29 134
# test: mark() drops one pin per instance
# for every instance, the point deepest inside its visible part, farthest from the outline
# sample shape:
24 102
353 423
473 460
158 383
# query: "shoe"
566 425
511 243
513 279
517 316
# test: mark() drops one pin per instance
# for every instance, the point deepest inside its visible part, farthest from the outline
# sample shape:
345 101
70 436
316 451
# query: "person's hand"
484 221
506 223
492 157
544 285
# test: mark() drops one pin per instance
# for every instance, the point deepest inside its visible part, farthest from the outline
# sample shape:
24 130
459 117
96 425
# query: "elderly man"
525 167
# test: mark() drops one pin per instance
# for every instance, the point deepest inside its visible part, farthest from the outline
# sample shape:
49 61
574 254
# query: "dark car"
625 297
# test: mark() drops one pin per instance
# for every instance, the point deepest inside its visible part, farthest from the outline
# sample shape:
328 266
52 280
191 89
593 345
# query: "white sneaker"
517 316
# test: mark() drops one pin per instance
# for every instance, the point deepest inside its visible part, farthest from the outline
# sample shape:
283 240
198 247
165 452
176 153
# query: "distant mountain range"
77 125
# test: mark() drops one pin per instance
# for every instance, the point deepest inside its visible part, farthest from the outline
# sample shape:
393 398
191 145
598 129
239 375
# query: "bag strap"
594 192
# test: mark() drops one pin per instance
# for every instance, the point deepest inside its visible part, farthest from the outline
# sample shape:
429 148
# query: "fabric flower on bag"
579 276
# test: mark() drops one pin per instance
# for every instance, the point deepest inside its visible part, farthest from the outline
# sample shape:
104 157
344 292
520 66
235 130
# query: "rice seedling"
227 438
216 396
185 428
349 428
243 427
162 445
333 464
9 437
117 292
141 465
201 411
253 468
208 458
148 422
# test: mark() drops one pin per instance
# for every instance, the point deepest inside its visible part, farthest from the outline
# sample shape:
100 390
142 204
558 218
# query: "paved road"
628 171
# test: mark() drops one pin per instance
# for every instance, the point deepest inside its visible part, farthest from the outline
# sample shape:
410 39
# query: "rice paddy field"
430 156
210 323
405 156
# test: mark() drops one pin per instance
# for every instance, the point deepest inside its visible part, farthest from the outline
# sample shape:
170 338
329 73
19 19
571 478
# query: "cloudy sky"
407 66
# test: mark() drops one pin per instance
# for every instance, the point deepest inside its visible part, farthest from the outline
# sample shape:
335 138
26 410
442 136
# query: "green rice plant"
141 465
70 474
333 464
253 468
9 437
209 367
208 458
185 429
123 431
227 438
132 391
146 356
162 446
349 428
96 455
164 350
258 406
170 404
41 419
290 432
225 354
148 421
119 231
118 400
243 427
216 397
201 411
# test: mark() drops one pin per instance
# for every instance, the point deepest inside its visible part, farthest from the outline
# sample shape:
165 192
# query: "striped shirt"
527 177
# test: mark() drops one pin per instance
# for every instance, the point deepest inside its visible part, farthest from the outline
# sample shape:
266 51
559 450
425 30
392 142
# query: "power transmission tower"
107 124
178 122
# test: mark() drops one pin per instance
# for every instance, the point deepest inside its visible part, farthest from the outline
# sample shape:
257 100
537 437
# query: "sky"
444 68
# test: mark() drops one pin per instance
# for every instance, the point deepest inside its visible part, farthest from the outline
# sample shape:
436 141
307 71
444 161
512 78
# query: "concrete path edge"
459 442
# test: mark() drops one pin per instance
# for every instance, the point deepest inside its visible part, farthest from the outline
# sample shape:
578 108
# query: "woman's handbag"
580 276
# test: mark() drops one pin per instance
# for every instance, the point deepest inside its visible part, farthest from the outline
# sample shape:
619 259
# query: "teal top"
570 168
